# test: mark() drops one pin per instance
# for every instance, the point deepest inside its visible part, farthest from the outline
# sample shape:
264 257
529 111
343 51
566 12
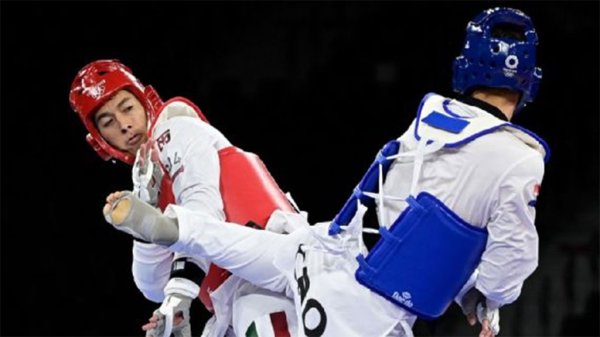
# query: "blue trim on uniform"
510 125
443 122
474 136
450 112
483 132
539 139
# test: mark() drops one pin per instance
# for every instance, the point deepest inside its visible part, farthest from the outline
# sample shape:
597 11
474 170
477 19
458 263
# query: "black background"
315 89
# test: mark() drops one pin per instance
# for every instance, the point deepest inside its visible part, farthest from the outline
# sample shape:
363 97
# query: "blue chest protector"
422 262
426 256
424 259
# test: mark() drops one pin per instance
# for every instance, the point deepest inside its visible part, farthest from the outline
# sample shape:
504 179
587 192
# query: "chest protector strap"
368 184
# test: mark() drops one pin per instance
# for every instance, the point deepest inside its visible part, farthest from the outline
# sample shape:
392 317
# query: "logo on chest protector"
404 298
163 139
314 317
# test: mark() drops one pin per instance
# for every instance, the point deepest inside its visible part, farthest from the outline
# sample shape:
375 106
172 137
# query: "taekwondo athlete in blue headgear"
461 187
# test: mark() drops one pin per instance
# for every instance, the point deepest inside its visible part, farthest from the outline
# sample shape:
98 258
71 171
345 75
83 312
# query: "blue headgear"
498 62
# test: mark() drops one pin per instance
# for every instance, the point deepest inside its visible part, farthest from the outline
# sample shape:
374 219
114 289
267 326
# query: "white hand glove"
474 305
173 317
492 316
147 174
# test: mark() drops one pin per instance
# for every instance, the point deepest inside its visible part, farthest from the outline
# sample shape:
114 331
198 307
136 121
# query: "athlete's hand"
175 307
146 173
474 306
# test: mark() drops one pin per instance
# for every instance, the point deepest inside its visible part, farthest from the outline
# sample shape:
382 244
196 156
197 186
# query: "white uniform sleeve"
151 268
188 152
511 254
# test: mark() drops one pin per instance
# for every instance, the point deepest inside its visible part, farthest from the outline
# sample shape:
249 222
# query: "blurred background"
315 89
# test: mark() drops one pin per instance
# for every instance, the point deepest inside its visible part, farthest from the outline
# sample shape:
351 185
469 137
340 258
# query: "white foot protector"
131 215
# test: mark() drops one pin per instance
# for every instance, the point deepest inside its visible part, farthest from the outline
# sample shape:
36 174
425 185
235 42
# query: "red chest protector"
249 193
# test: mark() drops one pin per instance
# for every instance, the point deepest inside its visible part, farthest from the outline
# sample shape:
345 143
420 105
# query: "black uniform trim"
183 268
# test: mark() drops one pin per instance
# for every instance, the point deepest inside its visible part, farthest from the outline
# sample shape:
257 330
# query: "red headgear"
93 86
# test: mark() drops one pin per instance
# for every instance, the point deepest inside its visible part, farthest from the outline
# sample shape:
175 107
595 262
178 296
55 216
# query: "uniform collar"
484 106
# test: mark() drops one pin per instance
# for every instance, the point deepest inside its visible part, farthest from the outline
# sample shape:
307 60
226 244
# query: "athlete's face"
122 122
